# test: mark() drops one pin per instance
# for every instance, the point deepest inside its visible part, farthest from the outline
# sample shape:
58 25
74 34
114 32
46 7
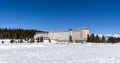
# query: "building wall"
77 35
84 33
59 36
40 34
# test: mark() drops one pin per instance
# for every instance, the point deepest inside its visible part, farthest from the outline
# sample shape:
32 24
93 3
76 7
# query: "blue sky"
100 16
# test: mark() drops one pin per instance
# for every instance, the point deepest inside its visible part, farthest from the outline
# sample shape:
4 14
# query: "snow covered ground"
60 53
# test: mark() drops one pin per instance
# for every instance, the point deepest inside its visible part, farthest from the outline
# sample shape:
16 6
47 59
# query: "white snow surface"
60 53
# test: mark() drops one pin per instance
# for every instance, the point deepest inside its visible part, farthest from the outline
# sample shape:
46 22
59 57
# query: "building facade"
79 35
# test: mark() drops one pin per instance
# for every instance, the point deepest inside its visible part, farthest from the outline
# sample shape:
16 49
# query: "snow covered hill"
108 35
60 53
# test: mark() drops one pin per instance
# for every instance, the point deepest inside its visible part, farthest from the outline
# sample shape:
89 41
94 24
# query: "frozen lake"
60 53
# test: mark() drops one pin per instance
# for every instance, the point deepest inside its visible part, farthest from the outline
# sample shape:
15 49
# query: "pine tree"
87 38
111 40
6 33
92 38
70 38
97 39
118 39
103 39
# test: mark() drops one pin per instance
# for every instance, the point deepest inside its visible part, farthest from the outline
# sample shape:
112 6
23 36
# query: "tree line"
6 33
96 39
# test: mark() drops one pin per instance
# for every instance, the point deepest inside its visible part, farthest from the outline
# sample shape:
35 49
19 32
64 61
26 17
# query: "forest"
97 39
18 33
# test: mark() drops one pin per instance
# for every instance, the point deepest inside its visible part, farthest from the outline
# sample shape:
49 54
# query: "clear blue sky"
100 16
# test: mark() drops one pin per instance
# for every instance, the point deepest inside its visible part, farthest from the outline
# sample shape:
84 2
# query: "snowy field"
60 53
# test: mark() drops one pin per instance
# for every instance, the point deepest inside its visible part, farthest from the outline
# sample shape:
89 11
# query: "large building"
79 35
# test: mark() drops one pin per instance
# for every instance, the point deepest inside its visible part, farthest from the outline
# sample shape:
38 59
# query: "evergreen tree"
118 39
111 40
70 38
96 39
103 39
6 33
88 38
92 38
